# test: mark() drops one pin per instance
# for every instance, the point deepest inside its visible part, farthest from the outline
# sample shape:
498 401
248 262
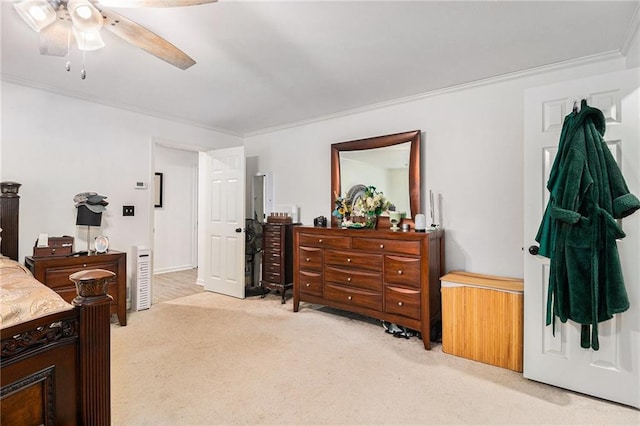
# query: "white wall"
175 222
58 146
472 160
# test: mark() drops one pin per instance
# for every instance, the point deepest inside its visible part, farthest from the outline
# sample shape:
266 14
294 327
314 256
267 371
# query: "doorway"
175 253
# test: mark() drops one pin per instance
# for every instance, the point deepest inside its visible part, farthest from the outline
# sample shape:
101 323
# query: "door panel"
224 251
613 372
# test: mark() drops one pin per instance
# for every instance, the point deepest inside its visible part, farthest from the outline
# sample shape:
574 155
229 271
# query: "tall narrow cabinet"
277 257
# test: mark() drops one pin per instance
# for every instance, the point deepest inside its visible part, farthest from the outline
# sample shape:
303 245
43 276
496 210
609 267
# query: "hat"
96 199
92 200
83 197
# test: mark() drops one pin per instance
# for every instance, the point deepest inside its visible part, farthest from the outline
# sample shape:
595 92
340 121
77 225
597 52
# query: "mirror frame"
380 142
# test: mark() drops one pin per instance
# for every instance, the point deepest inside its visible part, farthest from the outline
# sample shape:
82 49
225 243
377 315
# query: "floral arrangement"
372 203
364 212
342 208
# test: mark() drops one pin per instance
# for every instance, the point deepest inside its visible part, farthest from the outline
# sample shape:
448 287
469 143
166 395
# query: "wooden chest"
482 318
58 246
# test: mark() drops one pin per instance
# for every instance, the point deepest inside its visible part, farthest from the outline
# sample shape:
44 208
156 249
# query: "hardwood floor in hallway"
173 285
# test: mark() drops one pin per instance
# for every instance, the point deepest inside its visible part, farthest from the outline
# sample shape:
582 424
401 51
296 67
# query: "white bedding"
22 297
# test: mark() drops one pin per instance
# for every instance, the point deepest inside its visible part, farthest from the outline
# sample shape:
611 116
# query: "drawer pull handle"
349 279
308 260
308 284
84 265
349 260
349 298
400 272
381 246
320 240
399 303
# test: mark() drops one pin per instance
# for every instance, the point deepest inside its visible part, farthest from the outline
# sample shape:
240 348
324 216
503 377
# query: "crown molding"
602 57
118 105
606 56
634 27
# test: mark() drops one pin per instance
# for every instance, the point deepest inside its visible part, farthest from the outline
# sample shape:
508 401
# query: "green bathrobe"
579 228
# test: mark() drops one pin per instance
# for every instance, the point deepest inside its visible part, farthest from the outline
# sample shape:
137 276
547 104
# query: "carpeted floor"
208 359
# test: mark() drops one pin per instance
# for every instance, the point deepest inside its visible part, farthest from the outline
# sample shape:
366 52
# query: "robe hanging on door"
579 228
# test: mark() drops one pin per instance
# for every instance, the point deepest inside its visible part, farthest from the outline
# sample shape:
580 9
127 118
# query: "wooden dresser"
391 276
277 257
54 272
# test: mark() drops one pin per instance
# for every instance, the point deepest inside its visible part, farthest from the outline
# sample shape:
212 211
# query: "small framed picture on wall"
158 190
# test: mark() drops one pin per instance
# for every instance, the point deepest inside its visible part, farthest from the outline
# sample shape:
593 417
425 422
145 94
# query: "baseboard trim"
173 269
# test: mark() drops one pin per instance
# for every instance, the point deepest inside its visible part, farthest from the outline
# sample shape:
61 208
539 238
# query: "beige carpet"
208 359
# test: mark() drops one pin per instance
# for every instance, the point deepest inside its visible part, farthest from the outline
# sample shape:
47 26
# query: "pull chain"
83 72
67 66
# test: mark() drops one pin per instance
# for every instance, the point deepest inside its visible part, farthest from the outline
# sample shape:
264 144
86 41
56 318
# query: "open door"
223 173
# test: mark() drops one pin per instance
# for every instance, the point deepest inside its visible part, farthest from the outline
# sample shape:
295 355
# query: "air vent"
141 283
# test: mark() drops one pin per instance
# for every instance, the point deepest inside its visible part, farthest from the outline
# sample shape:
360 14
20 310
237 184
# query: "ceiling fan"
59 22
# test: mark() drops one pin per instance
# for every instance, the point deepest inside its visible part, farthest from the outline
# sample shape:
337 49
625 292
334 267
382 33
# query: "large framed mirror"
391 163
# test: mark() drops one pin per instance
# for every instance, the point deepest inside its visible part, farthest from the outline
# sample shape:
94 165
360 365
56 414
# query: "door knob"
238 229
534 249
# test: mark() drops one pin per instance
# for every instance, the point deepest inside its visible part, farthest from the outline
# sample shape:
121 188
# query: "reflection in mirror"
261 199
385 168
391 163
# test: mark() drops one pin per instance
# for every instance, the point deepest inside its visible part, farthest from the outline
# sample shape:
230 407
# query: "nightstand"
54 273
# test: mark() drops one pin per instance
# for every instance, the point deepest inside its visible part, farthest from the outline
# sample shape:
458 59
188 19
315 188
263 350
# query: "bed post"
95 345
9 209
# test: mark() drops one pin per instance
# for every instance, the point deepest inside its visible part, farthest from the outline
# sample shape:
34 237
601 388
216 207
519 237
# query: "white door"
612 372
223 228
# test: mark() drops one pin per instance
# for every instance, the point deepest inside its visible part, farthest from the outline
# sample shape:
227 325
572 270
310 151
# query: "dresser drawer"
310 283
387 246
272 243
353 297
310 258
273 277
272 231
402 301
354 278
272 267
402 270
326 241
271 256
351 259
58 277
272 247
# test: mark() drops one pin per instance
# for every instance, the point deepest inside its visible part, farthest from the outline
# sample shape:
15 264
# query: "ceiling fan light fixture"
38 14
88 41
85 17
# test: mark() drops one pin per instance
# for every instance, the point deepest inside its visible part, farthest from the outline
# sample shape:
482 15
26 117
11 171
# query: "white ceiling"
265 64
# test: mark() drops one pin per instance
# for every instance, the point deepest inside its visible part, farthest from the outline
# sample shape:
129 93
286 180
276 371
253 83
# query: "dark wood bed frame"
55 370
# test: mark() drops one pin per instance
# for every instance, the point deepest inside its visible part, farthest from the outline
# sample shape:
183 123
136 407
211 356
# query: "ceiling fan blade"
145 39
152 3
54 39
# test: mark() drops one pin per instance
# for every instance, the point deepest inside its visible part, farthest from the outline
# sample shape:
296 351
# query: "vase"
371 221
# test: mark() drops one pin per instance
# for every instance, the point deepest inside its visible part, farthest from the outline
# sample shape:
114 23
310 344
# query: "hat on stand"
92 201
